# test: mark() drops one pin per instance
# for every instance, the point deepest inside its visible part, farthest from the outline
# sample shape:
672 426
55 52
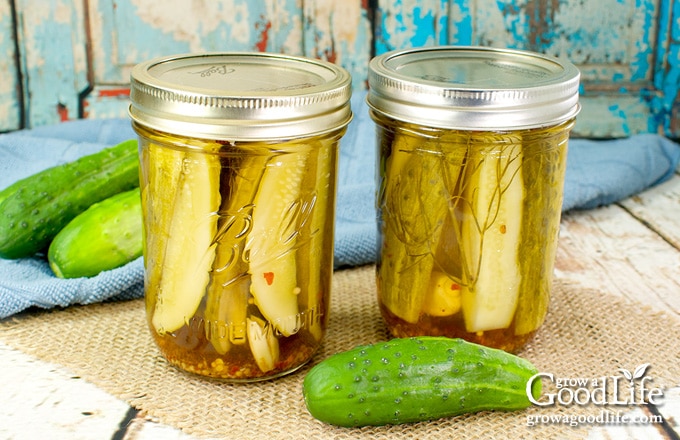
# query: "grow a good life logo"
629 388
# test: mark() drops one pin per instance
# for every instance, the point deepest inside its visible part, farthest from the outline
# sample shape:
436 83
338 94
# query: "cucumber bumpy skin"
414 204
36 208
416 379
105 236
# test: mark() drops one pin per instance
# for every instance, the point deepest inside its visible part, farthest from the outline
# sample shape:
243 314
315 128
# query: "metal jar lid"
240 96
473 88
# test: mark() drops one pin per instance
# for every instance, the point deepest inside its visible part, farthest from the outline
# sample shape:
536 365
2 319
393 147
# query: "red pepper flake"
269 277
455 286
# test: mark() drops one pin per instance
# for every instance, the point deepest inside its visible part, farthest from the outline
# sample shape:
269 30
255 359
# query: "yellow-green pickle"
469 194
238 209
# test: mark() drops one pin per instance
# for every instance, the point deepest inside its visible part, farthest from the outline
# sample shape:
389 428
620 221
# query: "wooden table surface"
631 248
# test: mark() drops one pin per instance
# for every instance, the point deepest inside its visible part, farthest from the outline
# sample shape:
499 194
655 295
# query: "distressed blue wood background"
69 59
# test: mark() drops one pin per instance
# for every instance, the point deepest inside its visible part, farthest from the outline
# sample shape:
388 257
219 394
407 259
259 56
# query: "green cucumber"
416 379
34 209
105 236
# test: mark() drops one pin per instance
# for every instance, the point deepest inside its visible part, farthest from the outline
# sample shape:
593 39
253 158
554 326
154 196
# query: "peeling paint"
191 21
496 28
642 59
626 116
62 111
667 77
460 23
114 93
52 37
412 23
62 12
334 23
340 33
10 108
285 26
291 43
627 50
263 28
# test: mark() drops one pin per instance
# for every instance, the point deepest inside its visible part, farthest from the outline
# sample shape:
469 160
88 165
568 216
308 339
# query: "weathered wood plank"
411 23
667 68
142 428
42 400
10 102
53 41
614 43
607 250
647 424
613 116
641 425
659 208
137 30
125 33
339 32
630 62
106 102
623 48
128 32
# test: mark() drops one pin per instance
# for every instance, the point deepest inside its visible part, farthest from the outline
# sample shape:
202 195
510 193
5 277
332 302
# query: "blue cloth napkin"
598 173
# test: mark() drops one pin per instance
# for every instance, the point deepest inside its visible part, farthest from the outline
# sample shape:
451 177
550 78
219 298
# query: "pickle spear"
316 230
414 205
187 195
490 236
155 176
271 243
227 300
443 296
543 178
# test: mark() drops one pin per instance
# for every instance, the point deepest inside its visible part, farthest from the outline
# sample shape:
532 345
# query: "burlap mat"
587 335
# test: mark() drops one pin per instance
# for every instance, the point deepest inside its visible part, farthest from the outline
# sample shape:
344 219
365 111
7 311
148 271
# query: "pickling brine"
238 159
234 235
469 227
472 144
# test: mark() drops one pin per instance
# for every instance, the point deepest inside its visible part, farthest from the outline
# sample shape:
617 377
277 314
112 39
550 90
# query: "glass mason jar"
472 145
238 157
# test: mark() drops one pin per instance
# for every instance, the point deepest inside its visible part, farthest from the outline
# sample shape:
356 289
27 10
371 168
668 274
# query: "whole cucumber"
33 210
416 379
105 236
